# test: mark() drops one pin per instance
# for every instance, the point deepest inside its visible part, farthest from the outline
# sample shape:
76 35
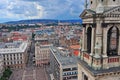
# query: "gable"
113 11
87 13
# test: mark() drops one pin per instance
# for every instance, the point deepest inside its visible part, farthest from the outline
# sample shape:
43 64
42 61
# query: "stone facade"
106 3
15 57
100 57
1 66
42 54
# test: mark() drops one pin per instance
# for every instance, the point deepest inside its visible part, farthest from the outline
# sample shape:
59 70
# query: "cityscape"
47 40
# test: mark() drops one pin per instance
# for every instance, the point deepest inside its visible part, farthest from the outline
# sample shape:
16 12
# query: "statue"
86 4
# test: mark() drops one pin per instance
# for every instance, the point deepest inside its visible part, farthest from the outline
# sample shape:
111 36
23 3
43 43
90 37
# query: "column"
92 41
105 43
98 41
119 45
83 41
105 58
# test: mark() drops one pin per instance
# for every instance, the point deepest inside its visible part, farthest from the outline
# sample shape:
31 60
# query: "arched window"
112 41
89 35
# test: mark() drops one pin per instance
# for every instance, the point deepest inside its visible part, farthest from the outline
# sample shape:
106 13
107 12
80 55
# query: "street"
30 72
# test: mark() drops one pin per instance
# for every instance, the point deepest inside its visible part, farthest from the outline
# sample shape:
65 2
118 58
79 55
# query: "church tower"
107 4
100 53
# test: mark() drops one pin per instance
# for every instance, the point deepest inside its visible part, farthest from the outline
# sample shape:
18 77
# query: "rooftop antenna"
86 4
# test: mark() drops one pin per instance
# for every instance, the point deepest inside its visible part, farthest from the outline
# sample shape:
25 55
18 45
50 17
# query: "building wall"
99 58
70 72
106 3
1 66
55 66
14 60
82 71
42 54
59 70
110 77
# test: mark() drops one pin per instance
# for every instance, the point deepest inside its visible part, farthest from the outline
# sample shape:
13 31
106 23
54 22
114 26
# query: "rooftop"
98 72
75 46
63 56
15 47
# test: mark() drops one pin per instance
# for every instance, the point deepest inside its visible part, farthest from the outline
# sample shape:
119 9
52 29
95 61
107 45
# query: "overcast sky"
12 10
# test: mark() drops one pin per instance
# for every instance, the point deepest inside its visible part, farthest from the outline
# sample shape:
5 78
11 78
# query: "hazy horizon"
14 10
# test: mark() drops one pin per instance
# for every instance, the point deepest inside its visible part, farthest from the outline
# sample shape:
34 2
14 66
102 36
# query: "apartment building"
1 66
63 66
42 54
14 54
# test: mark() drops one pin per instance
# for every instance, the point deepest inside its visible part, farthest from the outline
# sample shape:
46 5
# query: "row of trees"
6 74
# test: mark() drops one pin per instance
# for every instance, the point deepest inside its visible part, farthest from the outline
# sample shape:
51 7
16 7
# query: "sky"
13 10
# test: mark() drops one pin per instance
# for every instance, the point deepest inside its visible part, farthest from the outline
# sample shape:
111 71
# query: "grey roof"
64 59
10 44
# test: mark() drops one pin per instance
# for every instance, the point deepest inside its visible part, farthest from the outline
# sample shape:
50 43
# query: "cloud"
20 9
30 9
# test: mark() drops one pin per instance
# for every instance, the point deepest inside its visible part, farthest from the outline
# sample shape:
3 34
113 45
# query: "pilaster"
99 37
119 44
92 41
104 42
83 41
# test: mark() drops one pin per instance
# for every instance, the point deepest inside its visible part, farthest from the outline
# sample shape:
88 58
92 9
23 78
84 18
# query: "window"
89 38
114 0
11 63
67 69
85 77
112 41
75 68
91 2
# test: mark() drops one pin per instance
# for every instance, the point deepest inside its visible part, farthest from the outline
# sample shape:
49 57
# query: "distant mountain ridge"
43 21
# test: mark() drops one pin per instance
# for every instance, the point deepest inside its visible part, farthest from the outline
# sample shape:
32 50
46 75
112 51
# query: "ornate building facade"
100 57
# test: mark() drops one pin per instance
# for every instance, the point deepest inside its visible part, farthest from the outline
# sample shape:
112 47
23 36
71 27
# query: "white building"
63 66
42 54
1 66
14 54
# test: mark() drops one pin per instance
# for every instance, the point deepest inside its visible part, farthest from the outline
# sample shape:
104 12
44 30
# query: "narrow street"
30 55
30 72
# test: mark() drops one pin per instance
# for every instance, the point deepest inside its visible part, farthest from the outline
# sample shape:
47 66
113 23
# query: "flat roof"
21 47
63 57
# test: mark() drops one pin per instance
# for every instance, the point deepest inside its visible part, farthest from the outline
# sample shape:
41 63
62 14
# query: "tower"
100 56
106 3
